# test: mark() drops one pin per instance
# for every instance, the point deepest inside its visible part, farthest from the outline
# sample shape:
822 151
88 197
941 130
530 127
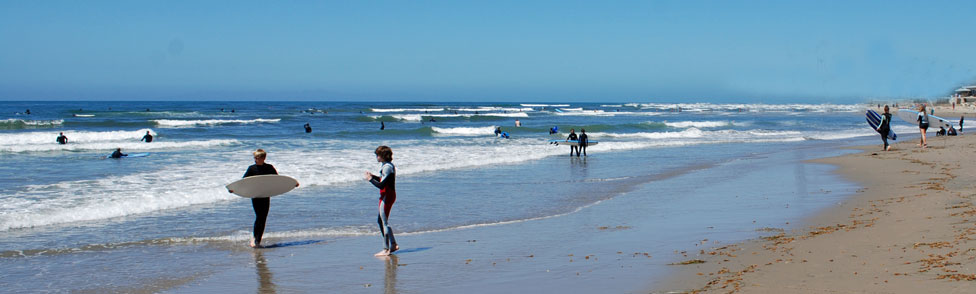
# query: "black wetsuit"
147 138
961 118
884 127
583 141
382 126
572 136
118 154
308 128
260 205
62 140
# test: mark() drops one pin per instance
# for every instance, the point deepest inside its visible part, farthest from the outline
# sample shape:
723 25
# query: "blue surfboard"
874 120
131 155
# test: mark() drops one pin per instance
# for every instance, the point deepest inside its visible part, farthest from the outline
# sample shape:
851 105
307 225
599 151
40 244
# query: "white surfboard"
911 117
262 186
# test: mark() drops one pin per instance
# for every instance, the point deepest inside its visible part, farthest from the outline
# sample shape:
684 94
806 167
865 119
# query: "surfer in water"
923 125
383 126
884 127
260 205
386 182
518 124
583 141
62 139
498 131
572 136
308 128
553 130
118 153
148 137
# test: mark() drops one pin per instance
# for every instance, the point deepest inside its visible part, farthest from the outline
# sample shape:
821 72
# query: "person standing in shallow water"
308 128
386 182
260 205
572 136
583 141
62 139
148 137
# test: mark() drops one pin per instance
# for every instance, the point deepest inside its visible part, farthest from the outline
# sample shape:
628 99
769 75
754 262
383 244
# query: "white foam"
699 124
405 109
461 131
419 117
96 141
191 123
758 107
545 105
15 121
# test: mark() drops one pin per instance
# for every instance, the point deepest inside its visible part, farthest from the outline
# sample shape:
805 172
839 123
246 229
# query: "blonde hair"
260 153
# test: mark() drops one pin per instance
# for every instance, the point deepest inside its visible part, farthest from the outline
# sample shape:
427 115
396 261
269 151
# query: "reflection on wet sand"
265 278
389 281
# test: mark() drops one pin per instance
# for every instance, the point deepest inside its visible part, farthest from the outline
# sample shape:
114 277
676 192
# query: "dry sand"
911 229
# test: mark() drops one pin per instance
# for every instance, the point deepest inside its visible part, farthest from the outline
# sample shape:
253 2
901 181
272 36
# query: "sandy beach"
908 230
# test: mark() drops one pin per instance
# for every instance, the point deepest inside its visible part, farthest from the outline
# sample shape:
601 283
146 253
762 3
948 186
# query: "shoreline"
907 230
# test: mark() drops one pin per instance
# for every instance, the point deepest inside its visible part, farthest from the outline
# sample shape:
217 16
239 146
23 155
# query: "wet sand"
910 229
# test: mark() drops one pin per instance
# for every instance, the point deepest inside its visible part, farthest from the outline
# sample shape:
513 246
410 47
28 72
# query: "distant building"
964 95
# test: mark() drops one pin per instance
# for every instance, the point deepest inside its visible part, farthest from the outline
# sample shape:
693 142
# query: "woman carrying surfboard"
386 182
923 124
884 127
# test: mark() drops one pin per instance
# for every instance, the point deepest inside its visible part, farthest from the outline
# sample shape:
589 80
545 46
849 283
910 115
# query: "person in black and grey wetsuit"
386 182
884 127
583 141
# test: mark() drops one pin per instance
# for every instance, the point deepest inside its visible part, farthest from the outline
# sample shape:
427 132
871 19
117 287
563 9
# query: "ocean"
65 210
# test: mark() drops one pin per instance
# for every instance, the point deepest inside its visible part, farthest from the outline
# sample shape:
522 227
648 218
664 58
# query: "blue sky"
575 51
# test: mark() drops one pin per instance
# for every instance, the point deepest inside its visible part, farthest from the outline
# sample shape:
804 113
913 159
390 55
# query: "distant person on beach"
118 153
940 132
148 138
583 141
961 118
923 125
260 205
382 126
951 131
308 128
518 124
62 139
884 127
386 182
572 136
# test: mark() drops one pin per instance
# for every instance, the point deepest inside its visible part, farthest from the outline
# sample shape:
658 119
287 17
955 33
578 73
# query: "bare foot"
385 252
255 245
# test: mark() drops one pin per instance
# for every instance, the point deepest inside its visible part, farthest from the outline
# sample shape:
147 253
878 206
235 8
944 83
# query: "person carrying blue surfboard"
572 136
260 205
884 126
386 182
